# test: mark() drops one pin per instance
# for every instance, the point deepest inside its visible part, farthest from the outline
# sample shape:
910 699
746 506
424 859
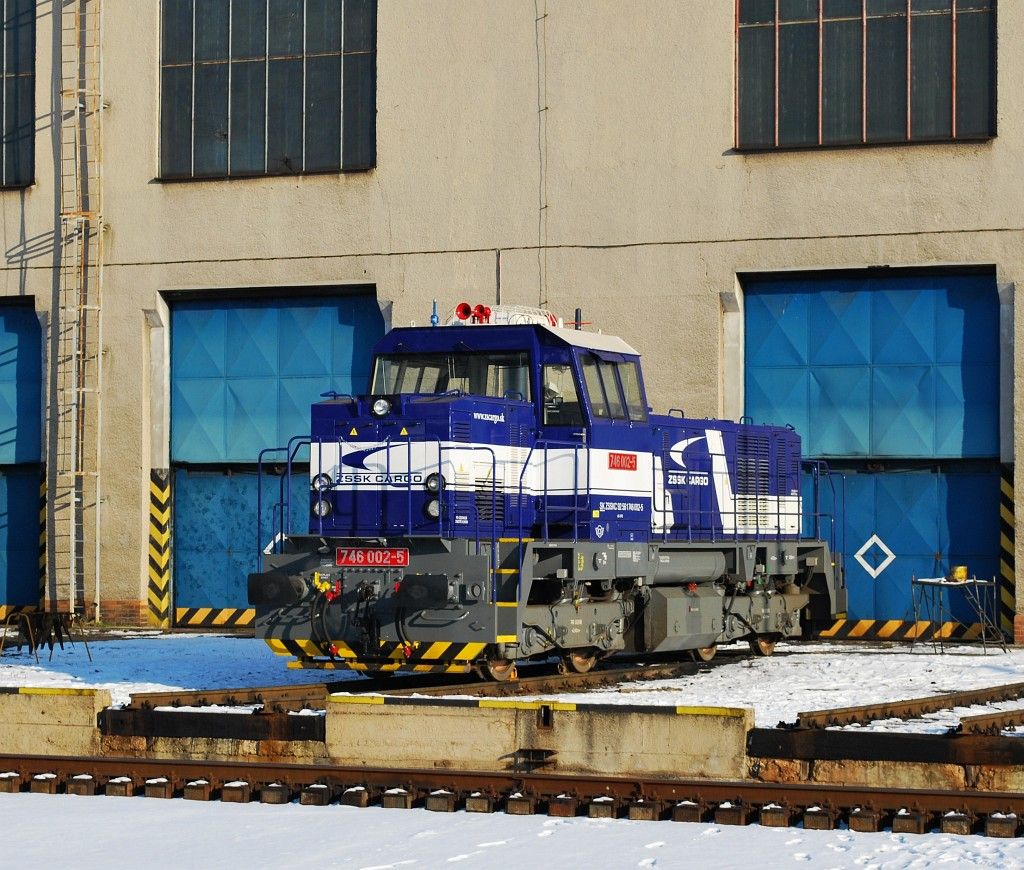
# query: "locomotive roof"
418 339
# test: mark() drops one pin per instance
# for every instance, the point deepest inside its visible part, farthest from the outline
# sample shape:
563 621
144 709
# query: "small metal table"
931 603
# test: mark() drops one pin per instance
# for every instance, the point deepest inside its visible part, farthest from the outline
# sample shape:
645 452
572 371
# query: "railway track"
913 708
815 806
180 714
990 723
534 680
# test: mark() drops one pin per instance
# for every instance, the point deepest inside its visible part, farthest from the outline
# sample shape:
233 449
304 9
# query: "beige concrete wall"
592 147
493 735
51 721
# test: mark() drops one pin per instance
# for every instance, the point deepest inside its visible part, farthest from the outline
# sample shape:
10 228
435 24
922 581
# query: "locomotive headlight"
434 482
322 481
433 508
321 508
381 407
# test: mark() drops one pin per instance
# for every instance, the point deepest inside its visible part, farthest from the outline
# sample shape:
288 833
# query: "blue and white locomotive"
505 493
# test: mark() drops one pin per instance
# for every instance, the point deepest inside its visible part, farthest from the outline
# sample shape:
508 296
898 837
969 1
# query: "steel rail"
990 723
736 802
911 708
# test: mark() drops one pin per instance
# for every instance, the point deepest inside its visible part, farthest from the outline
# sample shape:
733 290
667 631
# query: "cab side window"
603 388
561 398
595 390
630 378
616 407
613 389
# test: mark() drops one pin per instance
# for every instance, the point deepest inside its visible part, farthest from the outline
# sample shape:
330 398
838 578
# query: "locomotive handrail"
283 503
259 495
547 444
576 508
494 514
286 488
817 467
441 450
408 478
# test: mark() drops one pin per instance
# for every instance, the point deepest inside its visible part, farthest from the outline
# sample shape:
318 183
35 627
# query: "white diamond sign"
875 541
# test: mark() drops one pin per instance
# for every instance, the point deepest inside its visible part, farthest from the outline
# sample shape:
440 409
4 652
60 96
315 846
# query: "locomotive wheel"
705 653
499 670
762 646
577 662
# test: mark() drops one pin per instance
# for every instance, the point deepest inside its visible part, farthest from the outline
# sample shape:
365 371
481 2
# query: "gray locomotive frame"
551 596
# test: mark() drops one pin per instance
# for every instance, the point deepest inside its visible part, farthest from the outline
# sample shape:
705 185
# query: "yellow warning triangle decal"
353 432
404 431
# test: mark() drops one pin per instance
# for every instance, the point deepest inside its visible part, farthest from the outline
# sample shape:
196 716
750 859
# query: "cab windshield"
500 375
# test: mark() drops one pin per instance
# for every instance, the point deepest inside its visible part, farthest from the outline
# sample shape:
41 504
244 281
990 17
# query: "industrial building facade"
799 211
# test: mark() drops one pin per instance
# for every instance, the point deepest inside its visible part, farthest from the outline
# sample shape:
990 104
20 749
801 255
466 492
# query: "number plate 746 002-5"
372 557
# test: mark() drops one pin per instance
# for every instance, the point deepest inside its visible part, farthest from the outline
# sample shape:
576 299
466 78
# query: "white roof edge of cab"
592 340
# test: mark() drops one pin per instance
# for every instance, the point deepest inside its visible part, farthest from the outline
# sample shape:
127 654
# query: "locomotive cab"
504 492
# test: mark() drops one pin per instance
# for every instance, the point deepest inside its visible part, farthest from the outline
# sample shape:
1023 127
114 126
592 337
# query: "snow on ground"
820 676
180 833
157 663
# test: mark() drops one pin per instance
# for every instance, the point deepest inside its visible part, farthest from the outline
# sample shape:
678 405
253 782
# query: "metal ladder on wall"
75 341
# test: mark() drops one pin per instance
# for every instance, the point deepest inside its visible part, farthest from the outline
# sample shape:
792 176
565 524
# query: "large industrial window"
839 72
17 62
267 87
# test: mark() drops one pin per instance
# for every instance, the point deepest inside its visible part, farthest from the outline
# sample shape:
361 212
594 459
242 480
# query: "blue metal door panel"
969 528
929 521
20 442
837 411
215 532
244 373
839 331
20 385
243 377
894 366
783 393
907 522
859 523
19 535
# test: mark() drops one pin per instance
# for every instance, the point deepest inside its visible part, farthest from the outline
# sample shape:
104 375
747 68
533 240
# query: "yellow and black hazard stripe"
42 542
213 617
159 589
1007 543
898 629
7 610
437 657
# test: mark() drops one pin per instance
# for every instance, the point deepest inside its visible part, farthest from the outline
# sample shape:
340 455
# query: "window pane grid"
17 92
798 72
267 78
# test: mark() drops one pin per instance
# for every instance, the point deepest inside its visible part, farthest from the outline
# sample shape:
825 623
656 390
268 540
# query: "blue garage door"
895 380
20 453
243 375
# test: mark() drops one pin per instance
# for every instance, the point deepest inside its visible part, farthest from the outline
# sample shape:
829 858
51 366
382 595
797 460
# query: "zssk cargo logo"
380 474
622 461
